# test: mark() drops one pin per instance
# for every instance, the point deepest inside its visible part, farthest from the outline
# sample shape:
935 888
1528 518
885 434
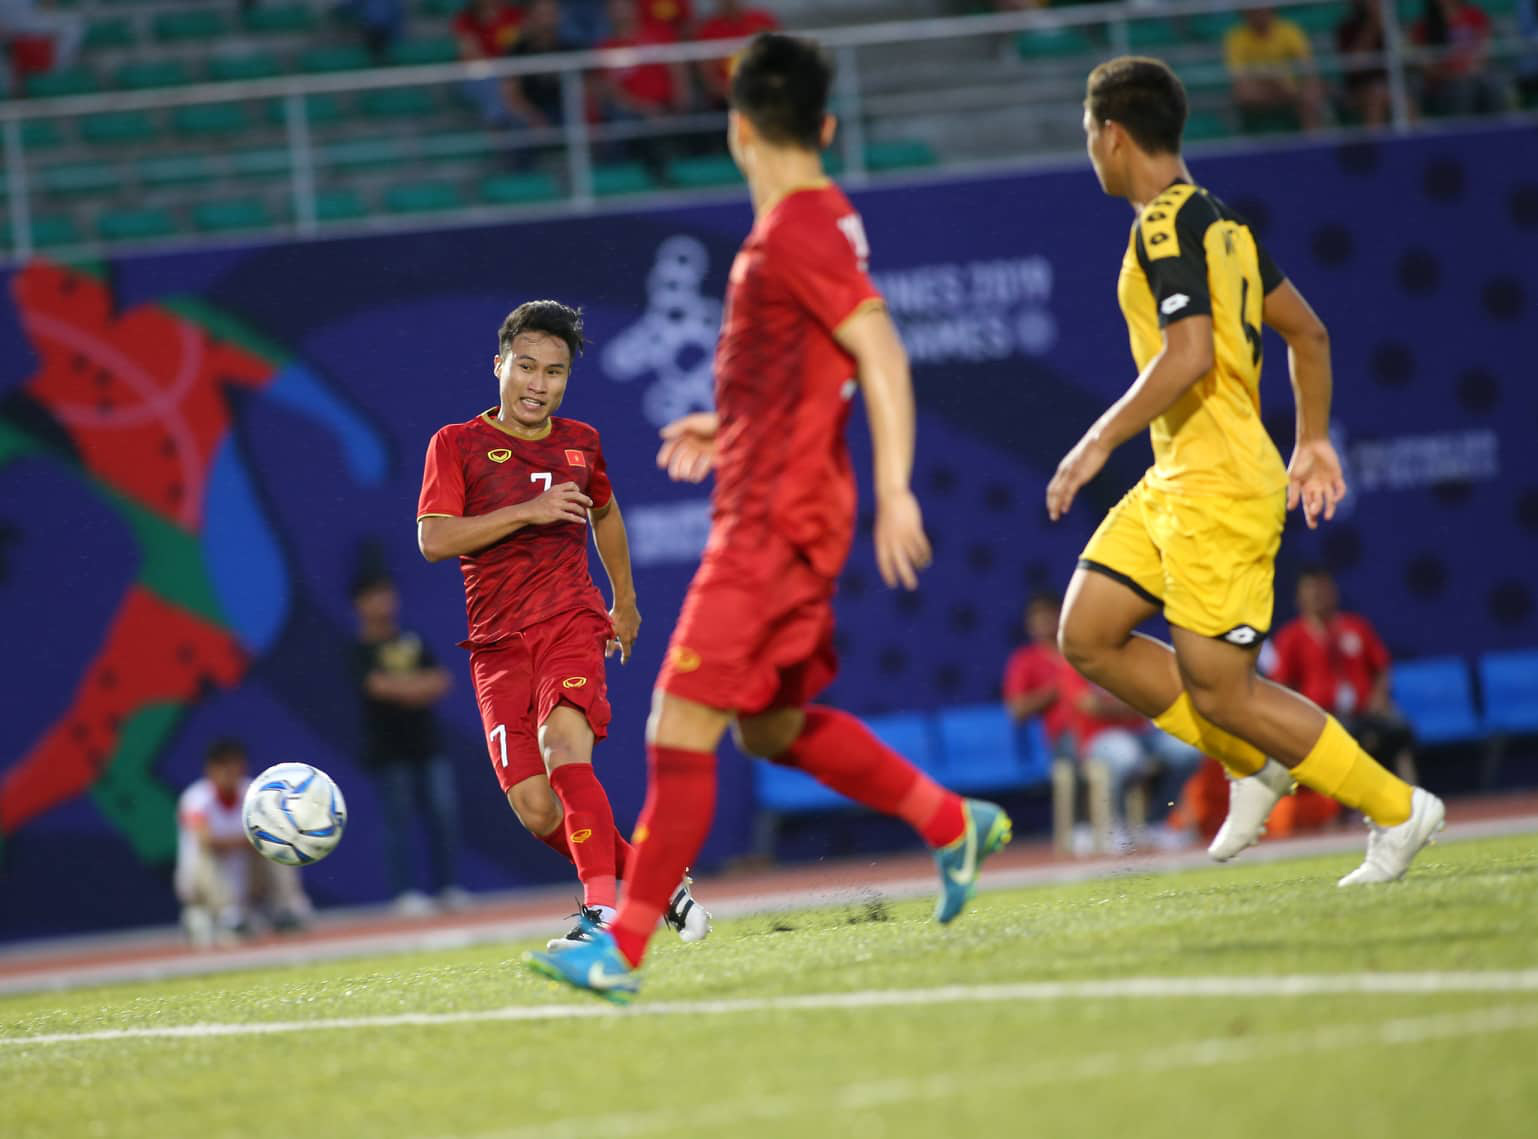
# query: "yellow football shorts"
1208 561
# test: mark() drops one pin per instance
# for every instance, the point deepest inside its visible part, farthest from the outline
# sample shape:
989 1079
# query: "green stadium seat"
423 197
1145 36
319 109
623 178
77 178
41 134
289 19
1205 125
363 154
265 162
175 170
1316 19
110 33
50 83
339 57
223 217
190 26
117 127
211 120
440 8
398 103
1211 27
49 232
134 225
339 205
1054 43
413 52
833 161
226 68
151 73
520 189
708 170
898 154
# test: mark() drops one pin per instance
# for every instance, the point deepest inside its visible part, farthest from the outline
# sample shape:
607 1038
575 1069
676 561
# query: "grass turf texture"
1363 1065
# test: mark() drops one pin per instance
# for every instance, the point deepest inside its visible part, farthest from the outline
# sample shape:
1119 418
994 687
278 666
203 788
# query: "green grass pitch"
735 1037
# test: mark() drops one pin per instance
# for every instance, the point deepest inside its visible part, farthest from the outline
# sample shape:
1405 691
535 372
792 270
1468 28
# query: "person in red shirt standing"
1039 682
1339 662
733 20
510 493
804 329
487 29
641 92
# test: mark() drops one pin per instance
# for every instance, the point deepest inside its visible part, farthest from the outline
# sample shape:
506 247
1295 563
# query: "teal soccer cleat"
988 831
594 964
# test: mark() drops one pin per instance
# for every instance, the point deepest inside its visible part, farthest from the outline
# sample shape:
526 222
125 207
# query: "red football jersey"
1335 666
783 384
539 571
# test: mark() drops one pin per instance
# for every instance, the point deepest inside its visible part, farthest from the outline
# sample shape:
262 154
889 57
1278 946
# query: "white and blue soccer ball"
294 814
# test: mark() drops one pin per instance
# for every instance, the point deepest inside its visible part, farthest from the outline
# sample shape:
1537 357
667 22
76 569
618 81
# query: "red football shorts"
756 631
518 684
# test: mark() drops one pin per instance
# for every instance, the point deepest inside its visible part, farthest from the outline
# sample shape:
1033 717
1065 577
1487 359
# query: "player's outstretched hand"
1314 479
902 547
561 503
689 447
1078 466
626 619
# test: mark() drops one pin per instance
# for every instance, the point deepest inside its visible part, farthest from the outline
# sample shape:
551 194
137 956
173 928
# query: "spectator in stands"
1454 81
1132 749
381 23
1338 661
38 20
1271 65
488 29
220 879
536 99
732 20
1360 35
676 16
400 683
1039 682
641 92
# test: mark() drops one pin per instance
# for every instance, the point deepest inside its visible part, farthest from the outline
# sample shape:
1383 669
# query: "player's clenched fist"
902 547
689 446
561 503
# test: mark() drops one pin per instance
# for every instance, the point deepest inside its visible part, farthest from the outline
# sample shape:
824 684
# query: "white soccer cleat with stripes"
686 916
1390 850
1249 805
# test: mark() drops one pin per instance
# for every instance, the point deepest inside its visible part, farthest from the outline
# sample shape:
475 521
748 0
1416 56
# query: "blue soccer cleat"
988 831
594 965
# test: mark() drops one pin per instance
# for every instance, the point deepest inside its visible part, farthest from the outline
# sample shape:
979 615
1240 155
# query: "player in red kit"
803 328
511 493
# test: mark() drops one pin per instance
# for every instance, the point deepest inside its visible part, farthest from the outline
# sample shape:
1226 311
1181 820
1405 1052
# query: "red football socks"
556 841
840 752
680 801
589 830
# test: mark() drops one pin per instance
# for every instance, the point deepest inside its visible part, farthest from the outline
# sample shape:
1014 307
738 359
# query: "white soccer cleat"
589 918
1249 805
1390 850
690 919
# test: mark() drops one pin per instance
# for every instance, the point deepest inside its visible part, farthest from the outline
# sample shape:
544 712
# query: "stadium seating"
1509 683
1436 694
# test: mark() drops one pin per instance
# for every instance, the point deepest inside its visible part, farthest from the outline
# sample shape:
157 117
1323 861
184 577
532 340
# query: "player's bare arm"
1314 475
614 552
688 449
902 548
1185 358
440 537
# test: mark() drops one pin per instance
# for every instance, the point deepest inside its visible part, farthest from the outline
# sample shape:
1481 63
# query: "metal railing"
865 95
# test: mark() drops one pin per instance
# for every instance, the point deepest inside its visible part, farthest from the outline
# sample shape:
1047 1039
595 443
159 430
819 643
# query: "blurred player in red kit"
803 329
510 493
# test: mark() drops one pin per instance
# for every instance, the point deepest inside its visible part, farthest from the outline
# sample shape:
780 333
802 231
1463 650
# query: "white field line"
1021 1073
1301 985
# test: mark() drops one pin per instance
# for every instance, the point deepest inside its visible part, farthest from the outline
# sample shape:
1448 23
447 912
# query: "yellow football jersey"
1190 255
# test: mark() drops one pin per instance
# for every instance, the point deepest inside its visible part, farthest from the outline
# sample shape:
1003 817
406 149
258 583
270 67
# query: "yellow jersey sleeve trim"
869 304
422 516
489 418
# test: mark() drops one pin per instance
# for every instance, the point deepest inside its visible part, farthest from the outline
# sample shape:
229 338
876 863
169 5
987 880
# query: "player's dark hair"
224 749
368 580
1043 597
1314 570
1144 96
781 85
550 317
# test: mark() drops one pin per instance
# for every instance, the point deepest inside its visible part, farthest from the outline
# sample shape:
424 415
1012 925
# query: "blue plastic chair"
785 791
977 747
910 735
1510 684
1437 697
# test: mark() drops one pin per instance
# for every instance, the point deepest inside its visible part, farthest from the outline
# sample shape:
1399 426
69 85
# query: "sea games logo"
972 311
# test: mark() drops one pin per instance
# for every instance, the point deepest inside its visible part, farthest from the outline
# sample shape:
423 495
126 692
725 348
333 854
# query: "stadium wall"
188 472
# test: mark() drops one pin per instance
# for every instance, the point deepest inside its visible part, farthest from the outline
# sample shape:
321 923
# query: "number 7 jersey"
534 573
1190 255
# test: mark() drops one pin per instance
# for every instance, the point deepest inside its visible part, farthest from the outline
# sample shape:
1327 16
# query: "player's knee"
1080 645
769 736
536 807
1220 702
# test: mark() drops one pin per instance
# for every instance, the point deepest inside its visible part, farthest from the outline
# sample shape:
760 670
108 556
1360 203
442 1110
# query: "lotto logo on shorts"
576 458
1242 635
684 659
500 455
574 682
582 835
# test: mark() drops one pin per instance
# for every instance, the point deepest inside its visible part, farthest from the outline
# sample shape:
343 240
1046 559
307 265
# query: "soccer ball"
294 814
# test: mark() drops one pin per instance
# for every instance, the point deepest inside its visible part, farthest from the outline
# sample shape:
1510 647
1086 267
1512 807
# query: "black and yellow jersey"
1190 255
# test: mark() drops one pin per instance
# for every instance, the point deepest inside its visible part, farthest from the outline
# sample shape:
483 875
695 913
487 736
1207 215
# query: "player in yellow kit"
1197 537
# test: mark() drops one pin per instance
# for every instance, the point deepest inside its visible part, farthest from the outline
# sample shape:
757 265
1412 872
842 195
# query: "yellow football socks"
1338 767
1184 722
